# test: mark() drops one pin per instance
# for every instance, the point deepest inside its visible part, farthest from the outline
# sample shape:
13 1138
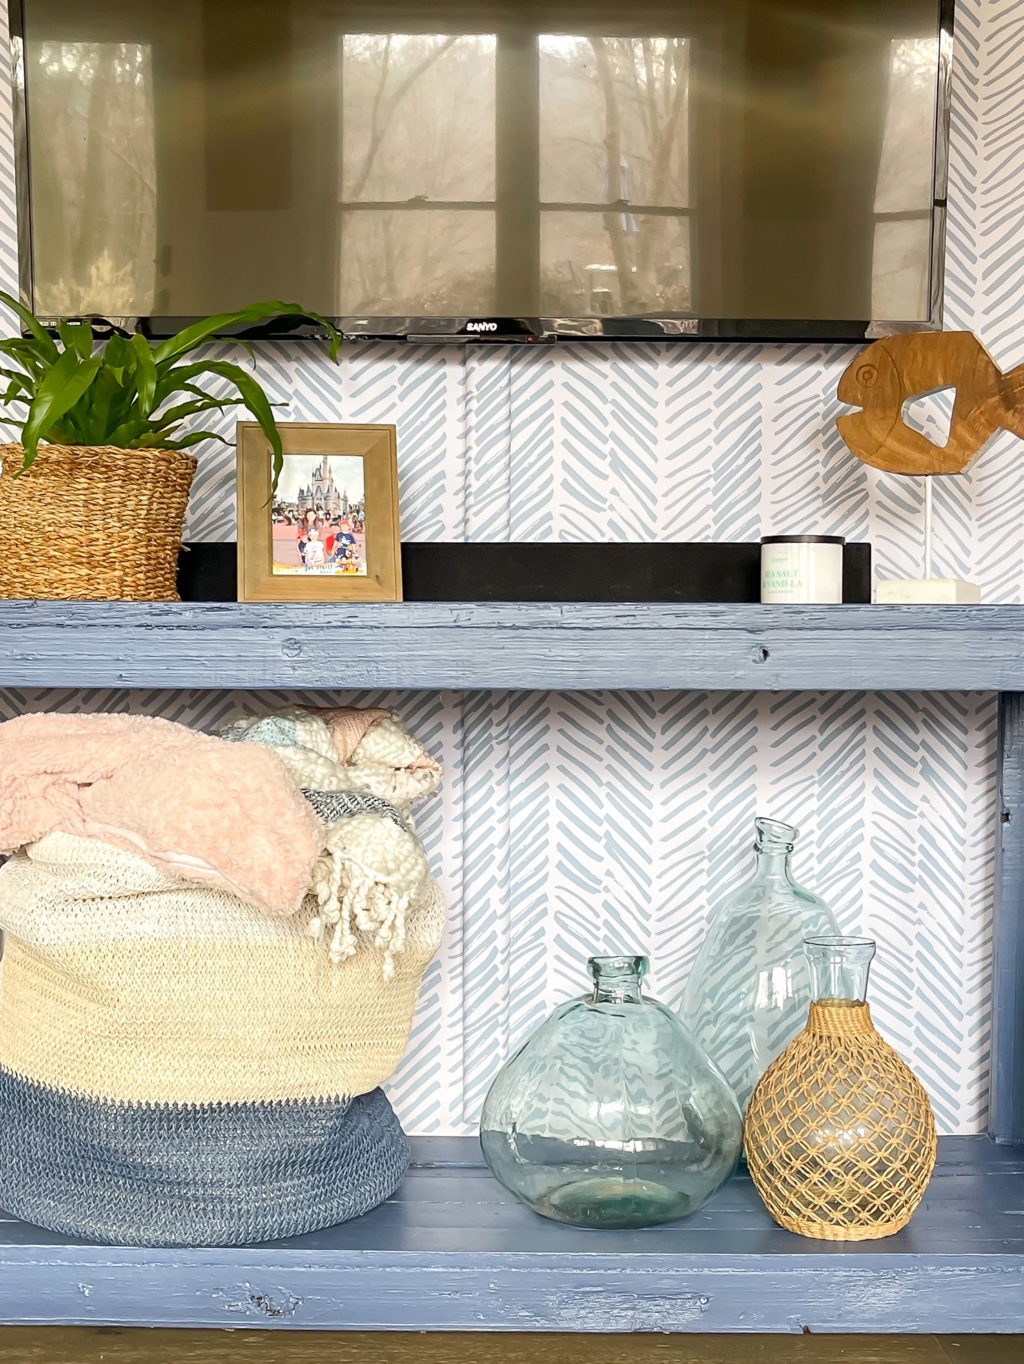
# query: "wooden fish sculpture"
898 368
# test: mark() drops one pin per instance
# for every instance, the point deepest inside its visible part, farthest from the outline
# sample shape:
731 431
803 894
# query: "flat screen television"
489 169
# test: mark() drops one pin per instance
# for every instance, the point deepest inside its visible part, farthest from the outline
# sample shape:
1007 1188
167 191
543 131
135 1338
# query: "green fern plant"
130 392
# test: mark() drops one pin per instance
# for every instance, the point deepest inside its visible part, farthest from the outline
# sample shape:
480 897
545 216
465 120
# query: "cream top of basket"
124 983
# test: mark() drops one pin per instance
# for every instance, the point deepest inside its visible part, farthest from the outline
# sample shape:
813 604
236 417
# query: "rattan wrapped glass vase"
840 1135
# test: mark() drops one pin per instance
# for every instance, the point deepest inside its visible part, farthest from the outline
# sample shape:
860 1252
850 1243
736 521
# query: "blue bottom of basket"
211 1175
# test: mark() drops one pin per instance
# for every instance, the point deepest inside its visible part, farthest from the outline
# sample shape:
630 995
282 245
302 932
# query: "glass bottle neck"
772 866
773 846
839 969
618 980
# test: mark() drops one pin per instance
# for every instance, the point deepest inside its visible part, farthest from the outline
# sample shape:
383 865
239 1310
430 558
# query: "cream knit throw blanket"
361 771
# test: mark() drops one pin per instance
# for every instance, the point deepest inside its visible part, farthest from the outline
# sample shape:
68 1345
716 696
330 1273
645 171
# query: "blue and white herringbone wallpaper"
571 824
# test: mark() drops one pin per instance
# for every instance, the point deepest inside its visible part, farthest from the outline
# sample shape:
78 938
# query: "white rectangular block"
933 591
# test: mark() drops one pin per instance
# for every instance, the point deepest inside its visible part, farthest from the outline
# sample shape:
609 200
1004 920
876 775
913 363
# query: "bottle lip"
621 965
775 831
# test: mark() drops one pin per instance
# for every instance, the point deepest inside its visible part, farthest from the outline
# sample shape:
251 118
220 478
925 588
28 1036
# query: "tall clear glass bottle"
749 990
611 1115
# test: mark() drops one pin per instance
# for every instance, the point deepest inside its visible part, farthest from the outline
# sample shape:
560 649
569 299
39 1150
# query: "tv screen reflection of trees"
435 158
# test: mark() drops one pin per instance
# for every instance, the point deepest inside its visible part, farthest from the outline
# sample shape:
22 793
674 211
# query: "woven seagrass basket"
92 523
840 1135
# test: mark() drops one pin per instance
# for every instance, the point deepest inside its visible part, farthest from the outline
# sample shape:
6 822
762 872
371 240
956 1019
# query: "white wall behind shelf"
574 823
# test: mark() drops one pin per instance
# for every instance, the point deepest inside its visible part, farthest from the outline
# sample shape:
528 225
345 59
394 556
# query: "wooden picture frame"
274 566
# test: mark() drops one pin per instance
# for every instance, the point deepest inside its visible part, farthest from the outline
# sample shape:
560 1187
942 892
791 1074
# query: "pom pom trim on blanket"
362 772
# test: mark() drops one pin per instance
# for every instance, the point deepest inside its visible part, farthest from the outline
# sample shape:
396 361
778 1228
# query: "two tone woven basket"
92 523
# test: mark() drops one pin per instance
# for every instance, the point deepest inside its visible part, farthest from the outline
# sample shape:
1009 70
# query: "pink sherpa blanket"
197 807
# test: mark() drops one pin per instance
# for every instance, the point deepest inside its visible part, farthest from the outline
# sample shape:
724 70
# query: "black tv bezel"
484 330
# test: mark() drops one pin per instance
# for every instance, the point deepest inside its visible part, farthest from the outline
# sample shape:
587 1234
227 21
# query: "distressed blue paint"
1006 1118
421 645
452 1251
449 1251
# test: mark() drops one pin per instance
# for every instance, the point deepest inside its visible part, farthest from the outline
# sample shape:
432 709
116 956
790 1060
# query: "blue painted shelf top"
453 1251
509 646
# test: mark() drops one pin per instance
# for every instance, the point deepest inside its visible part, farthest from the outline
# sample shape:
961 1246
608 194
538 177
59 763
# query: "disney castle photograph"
319 516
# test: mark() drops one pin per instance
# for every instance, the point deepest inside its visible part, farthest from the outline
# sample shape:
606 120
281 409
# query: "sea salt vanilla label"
802 568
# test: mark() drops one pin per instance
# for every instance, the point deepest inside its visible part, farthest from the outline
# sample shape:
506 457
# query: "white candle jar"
802 568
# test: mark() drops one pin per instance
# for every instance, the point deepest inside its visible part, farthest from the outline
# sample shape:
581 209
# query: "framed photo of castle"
329 531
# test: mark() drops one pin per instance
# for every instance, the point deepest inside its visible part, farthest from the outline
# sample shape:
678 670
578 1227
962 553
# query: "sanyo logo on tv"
481 326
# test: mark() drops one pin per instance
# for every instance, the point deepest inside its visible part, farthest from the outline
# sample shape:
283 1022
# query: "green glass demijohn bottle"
750 988
611 1115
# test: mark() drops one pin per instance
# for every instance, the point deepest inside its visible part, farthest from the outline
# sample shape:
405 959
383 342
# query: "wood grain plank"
478 1261
483 1293
548 646
113 1345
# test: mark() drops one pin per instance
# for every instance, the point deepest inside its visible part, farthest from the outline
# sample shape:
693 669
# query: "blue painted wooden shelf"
509 646
452 1251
